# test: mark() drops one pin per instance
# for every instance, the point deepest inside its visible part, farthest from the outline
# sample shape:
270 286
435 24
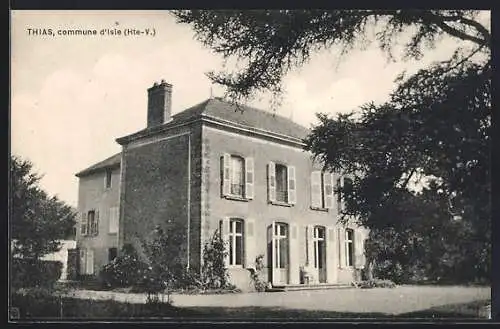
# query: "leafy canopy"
37 220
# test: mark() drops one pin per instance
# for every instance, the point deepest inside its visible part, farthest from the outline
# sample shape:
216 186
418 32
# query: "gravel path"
398 300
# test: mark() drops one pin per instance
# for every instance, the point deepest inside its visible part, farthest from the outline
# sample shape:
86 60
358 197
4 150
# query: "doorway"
278 253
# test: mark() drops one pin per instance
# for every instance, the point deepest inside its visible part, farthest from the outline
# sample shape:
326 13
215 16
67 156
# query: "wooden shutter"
113 220
294 255
358 249
249 238
275 279
90 261
249 178
331 255
292 188
341 234
328 190
96 222
224 230
271 182
339 195
84 224
310 245
226 174
316 189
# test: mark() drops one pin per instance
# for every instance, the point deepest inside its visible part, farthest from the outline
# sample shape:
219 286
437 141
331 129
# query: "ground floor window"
86 261
112 253
349 247
319 246
236 242
281 245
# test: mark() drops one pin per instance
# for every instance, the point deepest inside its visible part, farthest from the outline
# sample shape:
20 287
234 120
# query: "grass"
55 308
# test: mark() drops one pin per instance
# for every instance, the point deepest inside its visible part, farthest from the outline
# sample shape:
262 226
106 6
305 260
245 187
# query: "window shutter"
339 195
294 254
316 189
249 238
96 222
342 260
271 182
328 190
83 262
310 245
224 230
275 279
226 174
249 178
292 188
84 224
90 261
358 249
331 255
113 220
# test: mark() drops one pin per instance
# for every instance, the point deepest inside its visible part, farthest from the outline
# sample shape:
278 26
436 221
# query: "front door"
320 253
278 253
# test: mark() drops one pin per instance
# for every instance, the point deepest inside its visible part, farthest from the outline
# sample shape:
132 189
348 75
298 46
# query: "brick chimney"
159 103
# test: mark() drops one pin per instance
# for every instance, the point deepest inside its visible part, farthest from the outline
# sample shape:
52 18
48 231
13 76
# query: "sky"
72 96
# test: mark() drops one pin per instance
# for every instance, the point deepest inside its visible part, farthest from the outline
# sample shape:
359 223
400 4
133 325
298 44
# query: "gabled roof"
111 162
216 108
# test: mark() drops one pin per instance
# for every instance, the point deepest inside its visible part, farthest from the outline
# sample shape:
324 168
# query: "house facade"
226 168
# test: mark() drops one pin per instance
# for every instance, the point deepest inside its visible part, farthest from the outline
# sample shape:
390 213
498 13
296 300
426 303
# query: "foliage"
34 273
256 275
126 270
37 221
43 305
214 271
367 284
269 43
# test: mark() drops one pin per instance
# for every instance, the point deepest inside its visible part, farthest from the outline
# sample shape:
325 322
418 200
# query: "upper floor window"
107 178
321 190
281 183
237 176
346 184
349 247
90 223
113 220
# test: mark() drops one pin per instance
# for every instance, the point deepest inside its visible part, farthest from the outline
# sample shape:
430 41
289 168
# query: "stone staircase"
316 286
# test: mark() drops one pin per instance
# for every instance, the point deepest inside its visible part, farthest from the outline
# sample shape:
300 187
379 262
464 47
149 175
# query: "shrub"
214 271
125 270
34 273
375 283
259 284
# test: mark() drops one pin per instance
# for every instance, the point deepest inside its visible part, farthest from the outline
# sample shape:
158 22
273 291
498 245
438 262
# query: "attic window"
107 182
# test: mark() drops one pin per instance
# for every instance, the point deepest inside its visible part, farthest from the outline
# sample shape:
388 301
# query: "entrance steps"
315 286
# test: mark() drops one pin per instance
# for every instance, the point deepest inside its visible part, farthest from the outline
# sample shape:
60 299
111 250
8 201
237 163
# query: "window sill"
320 209
235 198
112 233
283 204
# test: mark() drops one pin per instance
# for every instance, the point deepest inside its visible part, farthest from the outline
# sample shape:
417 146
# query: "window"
236 242
281 183
90 223
321 190
107 178
281 245
349 247
112 253
319 246
346 184
86 261
237 177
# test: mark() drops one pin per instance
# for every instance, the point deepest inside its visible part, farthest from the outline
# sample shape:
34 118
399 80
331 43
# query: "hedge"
34 273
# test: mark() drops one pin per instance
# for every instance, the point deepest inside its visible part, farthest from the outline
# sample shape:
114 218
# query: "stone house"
220 166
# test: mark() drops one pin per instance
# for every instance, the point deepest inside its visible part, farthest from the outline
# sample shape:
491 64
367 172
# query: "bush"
376 283
125 270
259 284
34 273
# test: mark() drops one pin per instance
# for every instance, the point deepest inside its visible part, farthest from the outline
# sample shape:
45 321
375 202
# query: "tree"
37 220
269 43
434 127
